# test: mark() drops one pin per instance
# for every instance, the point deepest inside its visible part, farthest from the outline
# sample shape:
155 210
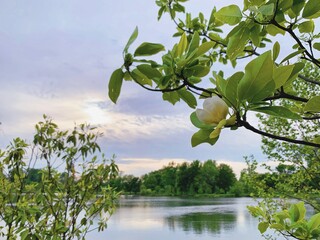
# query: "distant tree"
169 178
209 173
33 176
131 184
152 181
226 177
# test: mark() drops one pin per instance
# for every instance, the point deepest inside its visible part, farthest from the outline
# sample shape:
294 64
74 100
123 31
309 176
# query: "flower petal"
204 116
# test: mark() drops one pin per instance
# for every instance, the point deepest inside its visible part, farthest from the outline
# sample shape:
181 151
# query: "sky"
56 59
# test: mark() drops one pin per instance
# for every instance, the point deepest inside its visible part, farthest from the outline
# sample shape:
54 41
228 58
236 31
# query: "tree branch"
243 123
153 89
316 117
294 36
281 94
309 80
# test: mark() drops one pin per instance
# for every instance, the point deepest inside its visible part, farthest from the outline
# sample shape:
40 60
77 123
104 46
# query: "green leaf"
237 42
132 38
255 211
265 92
115 84
188 98
140 78
275 51
149 71
314 222
263 226
277 226
297 212
291 55
267 10
306 27
147 49
182 45
198 71
257 82
273 30
313 105
171 97
231 89
316 140
282 74
161 11
220 83
295 72
311 9
178 8
24 234
203 48
230 14
317 46
297 6
278 111
194 44
285 5
202 136
255 35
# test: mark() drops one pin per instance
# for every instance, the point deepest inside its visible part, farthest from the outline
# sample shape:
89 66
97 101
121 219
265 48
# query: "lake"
155 218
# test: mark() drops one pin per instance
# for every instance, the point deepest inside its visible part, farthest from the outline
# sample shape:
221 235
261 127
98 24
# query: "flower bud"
214 110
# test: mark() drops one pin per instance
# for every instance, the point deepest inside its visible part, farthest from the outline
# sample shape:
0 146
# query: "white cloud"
127 128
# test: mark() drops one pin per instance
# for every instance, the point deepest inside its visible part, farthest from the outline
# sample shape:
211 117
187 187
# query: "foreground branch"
309 80
285 139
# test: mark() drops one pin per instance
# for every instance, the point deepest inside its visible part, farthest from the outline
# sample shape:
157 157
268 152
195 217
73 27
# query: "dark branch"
309 80
161 90
195 92
285 139
295 37
316 117
281 95
155 89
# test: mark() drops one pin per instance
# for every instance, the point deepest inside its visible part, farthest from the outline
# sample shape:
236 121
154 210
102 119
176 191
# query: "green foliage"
289 222
147 49
182 179
45 203
230 15
115 84
226 177
257 82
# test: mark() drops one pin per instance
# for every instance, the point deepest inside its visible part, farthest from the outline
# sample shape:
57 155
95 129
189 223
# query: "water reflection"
159 218
200 223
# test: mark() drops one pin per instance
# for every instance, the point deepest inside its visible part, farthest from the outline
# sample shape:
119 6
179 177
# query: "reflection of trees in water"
202 222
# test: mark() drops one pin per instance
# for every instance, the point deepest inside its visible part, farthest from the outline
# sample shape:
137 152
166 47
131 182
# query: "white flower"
214 110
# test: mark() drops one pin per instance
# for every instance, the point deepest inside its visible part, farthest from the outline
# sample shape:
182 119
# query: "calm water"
140 218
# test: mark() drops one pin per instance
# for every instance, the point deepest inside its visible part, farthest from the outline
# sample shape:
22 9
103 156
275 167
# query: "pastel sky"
56 59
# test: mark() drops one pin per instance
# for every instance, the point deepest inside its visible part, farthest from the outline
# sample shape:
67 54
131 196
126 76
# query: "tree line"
180 179
198 178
